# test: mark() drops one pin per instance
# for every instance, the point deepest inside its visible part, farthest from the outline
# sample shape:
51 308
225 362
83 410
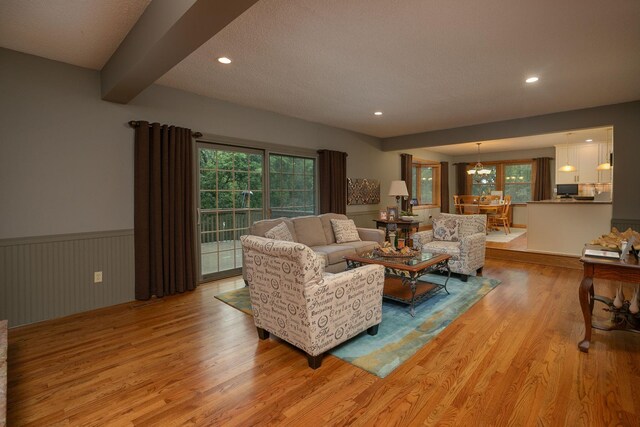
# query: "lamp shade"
398 188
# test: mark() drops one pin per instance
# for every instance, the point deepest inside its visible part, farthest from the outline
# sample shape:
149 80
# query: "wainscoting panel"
46 277
623 224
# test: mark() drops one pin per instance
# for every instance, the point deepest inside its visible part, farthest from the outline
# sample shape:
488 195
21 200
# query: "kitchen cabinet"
587 163
585 158
566 154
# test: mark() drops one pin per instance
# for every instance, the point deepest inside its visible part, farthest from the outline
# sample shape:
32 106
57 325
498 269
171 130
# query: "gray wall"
66 167
625 119
66 158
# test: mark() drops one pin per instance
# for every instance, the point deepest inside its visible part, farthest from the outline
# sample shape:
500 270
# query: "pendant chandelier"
479 169
567 167
606 165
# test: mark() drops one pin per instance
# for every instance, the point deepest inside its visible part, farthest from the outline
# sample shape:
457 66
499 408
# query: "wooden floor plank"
512 358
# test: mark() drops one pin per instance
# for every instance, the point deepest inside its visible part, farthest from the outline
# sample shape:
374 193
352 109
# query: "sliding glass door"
231 198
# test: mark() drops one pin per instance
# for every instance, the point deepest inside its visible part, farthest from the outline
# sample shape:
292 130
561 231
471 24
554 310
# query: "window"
486 184
291 185
514 178
517 182
425 183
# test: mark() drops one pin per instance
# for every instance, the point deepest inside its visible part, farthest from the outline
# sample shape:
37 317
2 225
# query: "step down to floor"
555 260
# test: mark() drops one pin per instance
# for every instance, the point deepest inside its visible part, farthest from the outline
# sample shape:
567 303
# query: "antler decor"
614 239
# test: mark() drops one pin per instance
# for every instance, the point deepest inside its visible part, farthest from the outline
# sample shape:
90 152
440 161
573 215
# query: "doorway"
230 198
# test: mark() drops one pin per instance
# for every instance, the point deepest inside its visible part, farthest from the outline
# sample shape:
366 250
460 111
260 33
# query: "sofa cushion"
334 253
309 231
362 246
279 232
445 229
259 228
345 230
326 225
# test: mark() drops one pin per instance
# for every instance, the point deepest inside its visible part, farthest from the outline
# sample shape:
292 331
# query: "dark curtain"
461 179
444 187
332 166
163 211
542 183
406 165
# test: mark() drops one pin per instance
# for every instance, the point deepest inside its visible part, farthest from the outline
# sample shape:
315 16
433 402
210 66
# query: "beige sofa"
316 232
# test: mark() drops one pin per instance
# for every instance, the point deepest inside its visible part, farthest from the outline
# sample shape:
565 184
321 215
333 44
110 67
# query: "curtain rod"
135 124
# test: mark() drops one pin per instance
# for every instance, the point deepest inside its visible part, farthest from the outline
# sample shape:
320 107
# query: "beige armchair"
294 299
461 236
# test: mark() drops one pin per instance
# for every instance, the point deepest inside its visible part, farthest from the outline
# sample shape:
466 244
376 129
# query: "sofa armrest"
371 235
421 238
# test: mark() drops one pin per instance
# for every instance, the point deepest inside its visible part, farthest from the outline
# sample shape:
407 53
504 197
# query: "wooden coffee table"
401 275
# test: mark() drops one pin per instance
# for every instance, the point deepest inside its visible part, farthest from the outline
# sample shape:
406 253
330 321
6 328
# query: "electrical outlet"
97 277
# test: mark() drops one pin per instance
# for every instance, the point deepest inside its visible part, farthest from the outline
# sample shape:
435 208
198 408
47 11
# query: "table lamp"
398 189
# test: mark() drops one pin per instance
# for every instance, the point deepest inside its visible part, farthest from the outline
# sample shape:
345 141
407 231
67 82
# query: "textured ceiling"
83 33
426 64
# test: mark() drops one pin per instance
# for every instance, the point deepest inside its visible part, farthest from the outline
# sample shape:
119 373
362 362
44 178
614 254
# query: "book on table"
601 252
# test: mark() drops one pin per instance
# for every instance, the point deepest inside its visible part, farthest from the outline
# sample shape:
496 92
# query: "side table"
627 270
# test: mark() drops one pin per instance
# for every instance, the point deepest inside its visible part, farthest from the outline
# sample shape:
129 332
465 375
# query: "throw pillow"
345 230
445 229
279 232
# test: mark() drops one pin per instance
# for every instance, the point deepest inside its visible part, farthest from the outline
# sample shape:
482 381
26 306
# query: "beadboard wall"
623 224
46 277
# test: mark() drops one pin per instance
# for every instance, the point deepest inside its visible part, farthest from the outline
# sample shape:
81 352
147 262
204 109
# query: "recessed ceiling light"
224 60
378 113
589 140
532 79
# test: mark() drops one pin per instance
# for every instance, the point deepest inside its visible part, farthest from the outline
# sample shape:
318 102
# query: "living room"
67 174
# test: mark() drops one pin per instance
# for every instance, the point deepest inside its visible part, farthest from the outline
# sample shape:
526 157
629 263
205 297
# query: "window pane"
292 181
207 159
225 180
225 200
484 184
241 161
225 160
414 186
241 181
274 163
426 186
517 182
207 200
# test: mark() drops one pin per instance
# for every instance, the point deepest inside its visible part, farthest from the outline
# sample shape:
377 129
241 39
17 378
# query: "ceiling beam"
166 33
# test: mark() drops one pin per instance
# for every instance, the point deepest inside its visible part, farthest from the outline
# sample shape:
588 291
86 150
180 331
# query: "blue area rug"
399 336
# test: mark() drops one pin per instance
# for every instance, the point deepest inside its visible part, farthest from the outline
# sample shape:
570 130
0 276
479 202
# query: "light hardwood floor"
512 359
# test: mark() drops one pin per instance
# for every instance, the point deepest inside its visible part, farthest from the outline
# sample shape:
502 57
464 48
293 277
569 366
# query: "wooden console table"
627 270
406 226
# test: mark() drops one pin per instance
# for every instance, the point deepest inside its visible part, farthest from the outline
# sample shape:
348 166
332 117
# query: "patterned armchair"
461 236
294 299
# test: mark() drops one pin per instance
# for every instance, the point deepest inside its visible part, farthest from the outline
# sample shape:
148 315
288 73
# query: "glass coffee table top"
408 261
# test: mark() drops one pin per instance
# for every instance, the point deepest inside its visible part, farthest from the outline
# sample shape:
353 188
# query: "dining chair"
502 218
470 204
457 204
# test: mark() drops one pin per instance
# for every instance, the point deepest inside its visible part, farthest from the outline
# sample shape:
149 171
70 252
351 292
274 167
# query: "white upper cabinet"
585 158
566 155
588 163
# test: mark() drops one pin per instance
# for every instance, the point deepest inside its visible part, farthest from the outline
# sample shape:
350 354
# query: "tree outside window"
292 186
517 182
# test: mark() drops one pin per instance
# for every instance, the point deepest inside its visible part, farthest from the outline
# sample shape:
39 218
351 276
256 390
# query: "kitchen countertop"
570 202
